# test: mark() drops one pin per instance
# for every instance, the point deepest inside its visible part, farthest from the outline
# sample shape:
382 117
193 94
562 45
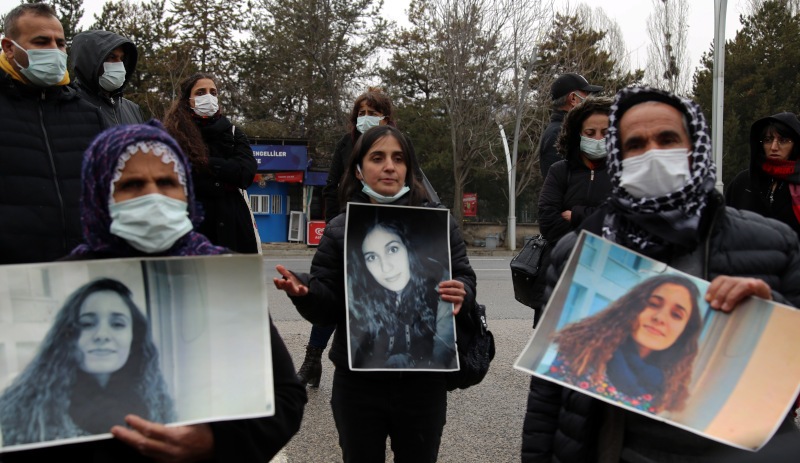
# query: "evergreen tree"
761 67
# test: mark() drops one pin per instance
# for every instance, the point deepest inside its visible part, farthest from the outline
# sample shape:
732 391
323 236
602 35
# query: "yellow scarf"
6 66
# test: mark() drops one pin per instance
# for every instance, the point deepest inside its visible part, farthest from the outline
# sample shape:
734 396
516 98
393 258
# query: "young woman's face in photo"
384 167
387 258
106 334
663 319
200 88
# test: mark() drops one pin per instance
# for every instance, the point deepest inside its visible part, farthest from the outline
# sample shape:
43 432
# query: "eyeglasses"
767 141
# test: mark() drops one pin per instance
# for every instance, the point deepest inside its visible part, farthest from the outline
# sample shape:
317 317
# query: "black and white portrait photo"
84 344
396 257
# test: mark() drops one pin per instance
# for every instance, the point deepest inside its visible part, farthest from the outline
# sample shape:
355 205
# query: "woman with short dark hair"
771 186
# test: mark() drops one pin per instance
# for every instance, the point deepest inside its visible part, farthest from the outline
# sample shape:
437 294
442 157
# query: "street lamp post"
717 103
511 234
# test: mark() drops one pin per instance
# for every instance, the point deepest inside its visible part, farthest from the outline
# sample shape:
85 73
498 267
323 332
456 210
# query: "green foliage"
299 71
761 67
164 60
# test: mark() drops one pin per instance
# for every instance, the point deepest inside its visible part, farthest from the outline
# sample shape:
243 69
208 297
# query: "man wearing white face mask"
44 129
663 204
103 62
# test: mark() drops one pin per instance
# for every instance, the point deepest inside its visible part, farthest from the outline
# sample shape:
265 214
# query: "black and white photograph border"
207 317
427 260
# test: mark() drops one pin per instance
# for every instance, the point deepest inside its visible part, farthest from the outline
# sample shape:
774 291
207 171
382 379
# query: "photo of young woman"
96 365
396 319
638 351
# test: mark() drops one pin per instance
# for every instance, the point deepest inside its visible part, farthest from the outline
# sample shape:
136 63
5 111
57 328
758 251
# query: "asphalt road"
484 423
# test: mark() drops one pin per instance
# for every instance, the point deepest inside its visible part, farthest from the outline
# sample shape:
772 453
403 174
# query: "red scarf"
788 171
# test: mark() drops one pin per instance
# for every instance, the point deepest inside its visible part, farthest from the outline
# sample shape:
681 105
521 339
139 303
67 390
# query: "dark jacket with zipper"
87 54
43 134
752 189
548 153
231 166
564 425
325 302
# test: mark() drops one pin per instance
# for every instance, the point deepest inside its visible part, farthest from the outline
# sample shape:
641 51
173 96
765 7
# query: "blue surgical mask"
150 223
593 149
46 66
364 123
379 198
113 76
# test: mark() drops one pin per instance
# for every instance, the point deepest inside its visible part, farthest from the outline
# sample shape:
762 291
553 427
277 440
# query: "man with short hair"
663 205
567 91
103 63
44 129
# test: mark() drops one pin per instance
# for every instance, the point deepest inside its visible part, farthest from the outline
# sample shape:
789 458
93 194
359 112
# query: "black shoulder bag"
475 345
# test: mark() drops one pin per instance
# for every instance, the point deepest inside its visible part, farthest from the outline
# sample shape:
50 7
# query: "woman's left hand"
453 291
167 444
725 292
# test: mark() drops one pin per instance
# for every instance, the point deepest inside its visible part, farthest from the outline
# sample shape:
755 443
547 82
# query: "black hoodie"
89 51
751 189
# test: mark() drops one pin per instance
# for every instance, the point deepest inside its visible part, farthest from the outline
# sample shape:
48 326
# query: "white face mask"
379 198
150 223
113 76
593 149
655 173
206 105
364 123
46 66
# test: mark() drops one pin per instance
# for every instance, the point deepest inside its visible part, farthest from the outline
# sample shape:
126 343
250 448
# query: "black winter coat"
564 425
548 154
330 193
88 52
751 189
231 166
325 302
43 134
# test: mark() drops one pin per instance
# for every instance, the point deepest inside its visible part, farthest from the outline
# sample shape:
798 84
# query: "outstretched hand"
289 283
453 291
179 444
726 292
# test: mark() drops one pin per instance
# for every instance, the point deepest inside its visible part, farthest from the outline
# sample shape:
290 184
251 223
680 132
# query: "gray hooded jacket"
89 51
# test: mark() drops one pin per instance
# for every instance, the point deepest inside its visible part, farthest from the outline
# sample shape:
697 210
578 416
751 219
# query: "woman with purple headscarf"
138 201
137 197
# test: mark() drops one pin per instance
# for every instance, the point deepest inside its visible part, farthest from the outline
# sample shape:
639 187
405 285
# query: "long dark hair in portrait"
351 185
53 399
590 343
179 122
374 308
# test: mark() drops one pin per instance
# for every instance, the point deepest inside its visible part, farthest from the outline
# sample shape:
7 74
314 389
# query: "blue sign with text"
281 157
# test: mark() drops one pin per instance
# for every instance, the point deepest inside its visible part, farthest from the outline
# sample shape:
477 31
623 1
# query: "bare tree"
668 61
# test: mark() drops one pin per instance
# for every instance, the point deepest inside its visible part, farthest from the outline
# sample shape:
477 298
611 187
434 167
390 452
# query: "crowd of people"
84 177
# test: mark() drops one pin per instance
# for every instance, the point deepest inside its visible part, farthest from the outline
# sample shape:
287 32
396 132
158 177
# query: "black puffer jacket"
43 134
548 154
751 189
231 166
564 425
325 303
87 54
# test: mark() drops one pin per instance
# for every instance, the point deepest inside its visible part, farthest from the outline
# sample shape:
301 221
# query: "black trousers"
410 408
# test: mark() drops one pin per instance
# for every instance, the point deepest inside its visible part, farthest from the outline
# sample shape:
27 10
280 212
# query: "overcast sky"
631 16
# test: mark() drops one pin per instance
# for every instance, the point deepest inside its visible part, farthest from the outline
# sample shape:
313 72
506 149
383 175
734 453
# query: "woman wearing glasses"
771 187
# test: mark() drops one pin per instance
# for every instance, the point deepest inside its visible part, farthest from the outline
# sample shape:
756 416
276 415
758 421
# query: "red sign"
470 201
286 177
314 232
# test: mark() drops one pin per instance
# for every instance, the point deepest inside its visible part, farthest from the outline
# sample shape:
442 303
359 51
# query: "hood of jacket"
757 156
88 52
